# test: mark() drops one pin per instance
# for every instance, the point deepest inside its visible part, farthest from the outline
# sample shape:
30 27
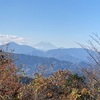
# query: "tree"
92 73
9 78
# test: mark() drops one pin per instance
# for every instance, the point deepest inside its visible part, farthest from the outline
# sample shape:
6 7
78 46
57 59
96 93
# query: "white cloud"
10 38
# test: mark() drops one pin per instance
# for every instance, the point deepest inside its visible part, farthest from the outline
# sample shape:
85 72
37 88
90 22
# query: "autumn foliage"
62 85
9 79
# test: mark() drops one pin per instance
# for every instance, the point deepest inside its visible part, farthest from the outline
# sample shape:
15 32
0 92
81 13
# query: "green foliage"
75 81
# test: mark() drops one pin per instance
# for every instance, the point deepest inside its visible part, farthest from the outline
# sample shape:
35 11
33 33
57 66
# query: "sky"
60 22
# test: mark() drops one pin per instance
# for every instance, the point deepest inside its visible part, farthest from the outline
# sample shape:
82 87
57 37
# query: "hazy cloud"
10 38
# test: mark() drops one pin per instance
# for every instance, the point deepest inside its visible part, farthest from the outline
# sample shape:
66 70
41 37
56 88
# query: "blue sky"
61 22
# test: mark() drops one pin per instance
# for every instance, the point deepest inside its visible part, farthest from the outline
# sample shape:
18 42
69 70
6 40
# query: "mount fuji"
45 46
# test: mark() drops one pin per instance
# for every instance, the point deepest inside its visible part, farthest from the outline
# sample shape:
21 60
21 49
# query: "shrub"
9 79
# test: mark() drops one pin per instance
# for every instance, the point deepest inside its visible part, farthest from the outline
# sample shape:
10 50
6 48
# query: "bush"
60 86
9 79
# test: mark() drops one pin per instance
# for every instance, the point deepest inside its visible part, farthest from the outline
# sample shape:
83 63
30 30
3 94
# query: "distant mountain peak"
44 45
12 43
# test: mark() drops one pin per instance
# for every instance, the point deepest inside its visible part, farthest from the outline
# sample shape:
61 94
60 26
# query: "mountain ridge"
74 55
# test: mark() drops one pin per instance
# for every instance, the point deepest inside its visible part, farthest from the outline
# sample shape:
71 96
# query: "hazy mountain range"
59 58
73 55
